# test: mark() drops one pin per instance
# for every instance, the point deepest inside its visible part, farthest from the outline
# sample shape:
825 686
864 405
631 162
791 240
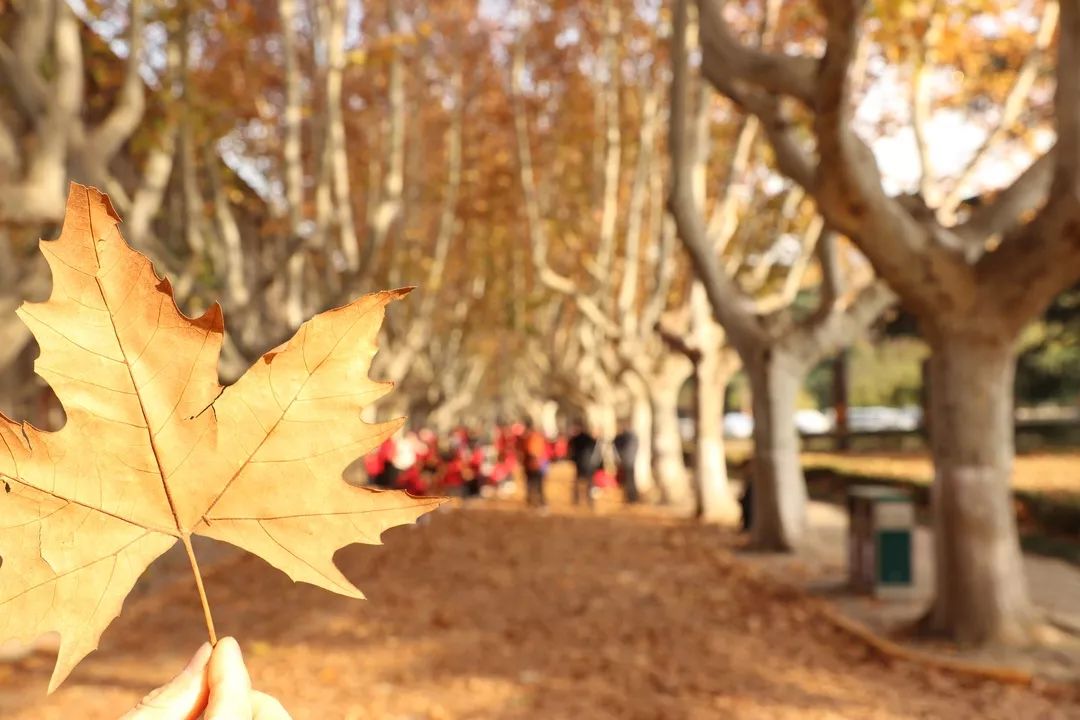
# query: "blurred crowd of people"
470 462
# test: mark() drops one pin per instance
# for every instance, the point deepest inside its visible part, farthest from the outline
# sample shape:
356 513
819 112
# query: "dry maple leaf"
154 450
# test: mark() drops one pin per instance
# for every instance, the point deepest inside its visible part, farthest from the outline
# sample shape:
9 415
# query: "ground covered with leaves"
492 611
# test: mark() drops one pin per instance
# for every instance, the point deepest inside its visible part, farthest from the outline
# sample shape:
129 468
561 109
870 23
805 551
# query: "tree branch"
1015 101
389 208
339 167
637 208
1067 102
612 148
127 111
1004 212
819 339
724 55
920 100
538 239
677 341
728 305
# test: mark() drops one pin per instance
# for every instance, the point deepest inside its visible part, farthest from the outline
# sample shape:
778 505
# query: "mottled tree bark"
669 468
779 499
981 590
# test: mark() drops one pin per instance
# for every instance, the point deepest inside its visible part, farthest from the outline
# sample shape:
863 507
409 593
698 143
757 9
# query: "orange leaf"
155 450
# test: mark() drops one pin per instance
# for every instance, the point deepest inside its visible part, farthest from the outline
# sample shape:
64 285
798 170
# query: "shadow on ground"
495 612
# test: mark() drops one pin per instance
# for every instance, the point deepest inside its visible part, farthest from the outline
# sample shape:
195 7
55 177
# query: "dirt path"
492 612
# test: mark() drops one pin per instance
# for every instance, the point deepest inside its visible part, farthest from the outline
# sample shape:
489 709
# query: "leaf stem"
186 539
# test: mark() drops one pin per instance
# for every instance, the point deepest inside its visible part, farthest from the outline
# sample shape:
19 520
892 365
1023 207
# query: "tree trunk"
779 491
668 467
600 416
981 591
715 502
641 421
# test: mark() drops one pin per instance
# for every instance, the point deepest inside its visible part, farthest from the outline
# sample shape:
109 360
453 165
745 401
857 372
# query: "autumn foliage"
155 450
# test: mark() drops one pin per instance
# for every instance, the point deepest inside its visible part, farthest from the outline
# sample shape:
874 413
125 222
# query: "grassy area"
1046 491
1056 474
1046 488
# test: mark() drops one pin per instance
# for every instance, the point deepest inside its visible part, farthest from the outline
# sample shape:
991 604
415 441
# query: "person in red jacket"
427 456
534 456
387 476
374 462
451 473
560 447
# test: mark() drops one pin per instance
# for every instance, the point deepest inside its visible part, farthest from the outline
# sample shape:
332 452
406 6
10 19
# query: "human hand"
215 685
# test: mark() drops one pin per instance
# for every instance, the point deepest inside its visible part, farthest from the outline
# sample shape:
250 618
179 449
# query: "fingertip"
227 656
230 685
228 648
199 660
184 696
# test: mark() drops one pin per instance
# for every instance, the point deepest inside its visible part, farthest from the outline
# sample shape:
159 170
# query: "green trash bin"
881 541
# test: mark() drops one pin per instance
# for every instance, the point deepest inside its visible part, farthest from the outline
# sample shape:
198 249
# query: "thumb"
182 698
230 684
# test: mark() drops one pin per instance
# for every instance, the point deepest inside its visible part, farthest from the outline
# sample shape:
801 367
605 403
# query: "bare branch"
538 239
811 237
920 99
725 217
637 208
388 210
1005 210
822 338
1032 264
1067 102
663 228
1015 101
792 157
676 340
775 73
294 169
236 289
904 250
831 277
339 166
127 111
728 304
20 64
612 145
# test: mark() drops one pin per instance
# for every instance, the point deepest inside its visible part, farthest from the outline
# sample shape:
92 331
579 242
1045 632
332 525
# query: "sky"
951 137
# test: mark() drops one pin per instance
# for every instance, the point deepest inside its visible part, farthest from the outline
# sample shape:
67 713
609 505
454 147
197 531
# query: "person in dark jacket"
626 448
584 452
746 500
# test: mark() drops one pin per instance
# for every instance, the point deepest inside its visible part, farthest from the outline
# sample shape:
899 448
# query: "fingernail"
199 659
228 646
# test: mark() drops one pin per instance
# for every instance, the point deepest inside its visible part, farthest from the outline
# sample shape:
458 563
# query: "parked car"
738 425
812 422
879 418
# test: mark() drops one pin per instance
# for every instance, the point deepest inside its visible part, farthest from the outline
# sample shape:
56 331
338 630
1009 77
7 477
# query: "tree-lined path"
493 612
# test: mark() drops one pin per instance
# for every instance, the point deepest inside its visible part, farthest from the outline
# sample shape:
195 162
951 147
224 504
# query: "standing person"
534 458
626 447
451 473
388 473
374 462
560 447
584 452
404 458
489 462
428 457
746 500
506 450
